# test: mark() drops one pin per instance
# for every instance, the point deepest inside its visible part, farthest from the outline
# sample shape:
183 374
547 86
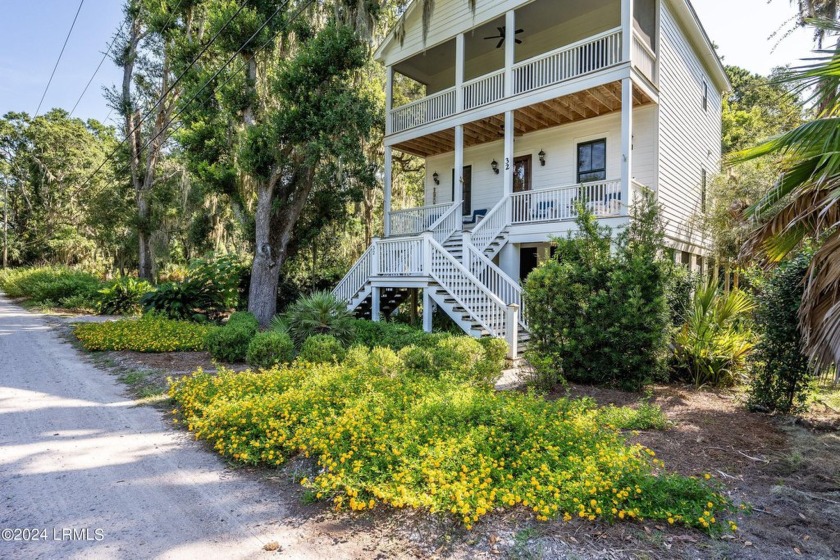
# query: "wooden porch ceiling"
547 114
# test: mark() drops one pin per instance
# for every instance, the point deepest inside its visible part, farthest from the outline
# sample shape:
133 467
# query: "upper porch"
519 57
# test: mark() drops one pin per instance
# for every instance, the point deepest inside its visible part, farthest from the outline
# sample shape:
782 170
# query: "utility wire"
66 39
95 72
210 80
167 92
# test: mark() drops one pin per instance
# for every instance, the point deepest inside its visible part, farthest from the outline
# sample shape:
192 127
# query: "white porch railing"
413 221
644 59
602 198
483 305
399 257
503 286
449 223
357 277
570 61
492 225
484 90
429 109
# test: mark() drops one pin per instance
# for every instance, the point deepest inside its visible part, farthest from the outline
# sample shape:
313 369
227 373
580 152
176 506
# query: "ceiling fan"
501 36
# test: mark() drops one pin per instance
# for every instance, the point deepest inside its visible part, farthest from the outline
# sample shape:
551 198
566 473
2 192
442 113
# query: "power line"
167 92
95 72
66 39
210 80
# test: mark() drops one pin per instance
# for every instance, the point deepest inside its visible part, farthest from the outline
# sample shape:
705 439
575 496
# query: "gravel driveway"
84 473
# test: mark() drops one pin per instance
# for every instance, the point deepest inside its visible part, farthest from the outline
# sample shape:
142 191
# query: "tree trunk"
265 272
144 269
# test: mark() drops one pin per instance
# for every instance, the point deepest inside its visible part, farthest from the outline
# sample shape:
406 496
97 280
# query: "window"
703 180
705 96
592 161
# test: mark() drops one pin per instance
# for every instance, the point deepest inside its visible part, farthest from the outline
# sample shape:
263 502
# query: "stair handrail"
494 317
508 290
494 222
356 277
447 224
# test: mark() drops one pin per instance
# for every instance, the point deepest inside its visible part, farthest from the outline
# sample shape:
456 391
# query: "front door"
467 207
522 183
522 174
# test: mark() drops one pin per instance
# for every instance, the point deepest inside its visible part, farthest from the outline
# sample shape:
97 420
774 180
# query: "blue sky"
32 32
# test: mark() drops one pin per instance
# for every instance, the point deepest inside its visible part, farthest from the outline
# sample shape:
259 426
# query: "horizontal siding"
689 136
560 146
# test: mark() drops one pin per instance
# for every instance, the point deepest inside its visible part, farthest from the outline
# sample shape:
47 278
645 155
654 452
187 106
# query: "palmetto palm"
803 204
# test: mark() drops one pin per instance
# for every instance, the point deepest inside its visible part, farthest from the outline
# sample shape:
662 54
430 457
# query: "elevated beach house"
528 108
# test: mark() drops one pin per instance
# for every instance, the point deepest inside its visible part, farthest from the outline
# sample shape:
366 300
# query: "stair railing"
450 222
468 291
503 286
492 225
357 277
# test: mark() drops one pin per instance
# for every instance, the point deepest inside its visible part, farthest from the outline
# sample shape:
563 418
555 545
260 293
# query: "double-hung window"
592 161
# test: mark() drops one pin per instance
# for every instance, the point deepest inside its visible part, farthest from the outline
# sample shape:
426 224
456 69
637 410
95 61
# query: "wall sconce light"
542 157
436 178
495 165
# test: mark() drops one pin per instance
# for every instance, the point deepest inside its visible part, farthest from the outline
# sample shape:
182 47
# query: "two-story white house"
530 107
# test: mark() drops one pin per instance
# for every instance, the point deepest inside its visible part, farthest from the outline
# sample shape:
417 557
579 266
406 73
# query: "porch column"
375 313
459 164
389 98
507 164
427 309
459 72
626 140
387 188
626 29
510 50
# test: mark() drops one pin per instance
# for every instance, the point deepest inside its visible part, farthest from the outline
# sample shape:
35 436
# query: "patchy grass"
644 417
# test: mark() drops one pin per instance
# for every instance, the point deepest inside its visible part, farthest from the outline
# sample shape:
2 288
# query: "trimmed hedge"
270 349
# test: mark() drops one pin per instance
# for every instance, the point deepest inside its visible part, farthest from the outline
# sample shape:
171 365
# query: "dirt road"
94 476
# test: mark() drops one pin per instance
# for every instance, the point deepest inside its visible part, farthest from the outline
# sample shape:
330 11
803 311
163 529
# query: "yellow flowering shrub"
150 333
443 446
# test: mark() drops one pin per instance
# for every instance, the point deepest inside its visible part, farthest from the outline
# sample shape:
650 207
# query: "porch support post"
375 313
427 309
459 72
459 164
626 140
510 50
626 29
512 331
507 164
387 180
389 98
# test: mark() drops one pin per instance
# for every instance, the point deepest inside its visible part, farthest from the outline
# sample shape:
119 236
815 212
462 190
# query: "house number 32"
507 164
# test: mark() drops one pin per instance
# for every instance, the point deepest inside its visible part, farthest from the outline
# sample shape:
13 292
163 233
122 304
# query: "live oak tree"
281 131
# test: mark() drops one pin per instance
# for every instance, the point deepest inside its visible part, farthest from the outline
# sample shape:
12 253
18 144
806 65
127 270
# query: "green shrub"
711 346
392 335
230 343
51 286
319 313
450 448
243 319
209 290
681 285
374 362
598 312
270 349
780 370
122 297
150 333
321 348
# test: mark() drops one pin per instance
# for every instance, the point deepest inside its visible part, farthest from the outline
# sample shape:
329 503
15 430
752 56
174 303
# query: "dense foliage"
405 440
150 333
319 313
52 286
269 349
230 343
712 344
598 311
781 370
123 296
322 348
